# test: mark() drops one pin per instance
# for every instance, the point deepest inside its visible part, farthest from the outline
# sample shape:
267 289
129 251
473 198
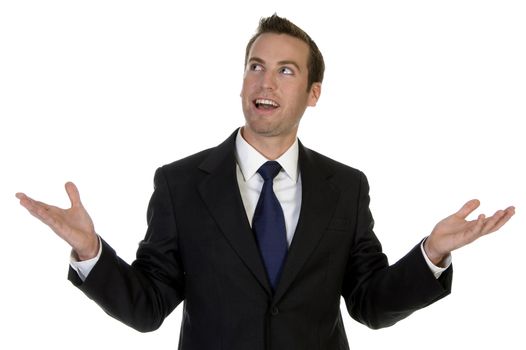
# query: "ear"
314 94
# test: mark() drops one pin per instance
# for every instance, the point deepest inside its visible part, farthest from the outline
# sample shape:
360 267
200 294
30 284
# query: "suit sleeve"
379 295
142 294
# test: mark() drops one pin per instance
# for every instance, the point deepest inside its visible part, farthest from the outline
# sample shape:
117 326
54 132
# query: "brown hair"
280 25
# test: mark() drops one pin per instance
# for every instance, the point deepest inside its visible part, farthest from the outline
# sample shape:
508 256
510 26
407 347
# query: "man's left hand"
455 231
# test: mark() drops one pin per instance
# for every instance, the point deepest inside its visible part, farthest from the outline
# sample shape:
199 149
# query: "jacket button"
274 311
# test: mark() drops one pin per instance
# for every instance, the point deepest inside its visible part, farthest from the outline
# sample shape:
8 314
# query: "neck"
271 147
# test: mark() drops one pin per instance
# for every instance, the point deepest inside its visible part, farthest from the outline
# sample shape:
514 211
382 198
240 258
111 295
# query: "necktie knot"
269 170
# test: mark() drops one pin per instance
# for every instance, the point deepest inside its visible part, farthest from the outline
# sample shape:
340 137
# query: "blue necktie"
268 225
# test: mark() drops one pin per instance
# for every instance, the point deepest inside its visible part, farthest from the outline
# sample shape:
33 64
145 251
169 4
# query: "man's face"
274 93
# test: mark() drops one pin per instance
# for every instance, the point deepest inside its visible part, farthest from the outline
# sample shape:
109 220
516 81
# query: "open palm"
74 225
455 231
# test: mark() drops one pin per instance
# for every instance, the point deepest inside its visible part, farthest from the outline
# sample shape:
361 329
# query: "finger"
23 198
34 207
20 195
38 209
474 229
47 214
27 202
73 194
498 220
491 222
468 208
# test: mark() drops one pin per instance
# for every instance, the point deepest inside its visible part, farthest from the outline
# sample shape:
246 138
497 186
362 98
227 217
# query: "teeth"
262 101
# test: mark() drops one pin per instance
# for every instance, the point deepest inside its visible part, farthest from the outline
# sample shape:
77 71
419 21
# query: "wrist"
433 255
91 250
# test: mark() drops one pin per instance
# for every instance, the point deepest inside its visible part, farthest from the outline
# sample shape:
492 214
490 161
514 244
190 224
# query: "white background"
426 97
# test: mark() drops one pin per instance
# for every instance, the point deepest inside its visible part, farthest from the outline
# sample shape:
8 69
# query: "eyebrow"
280 63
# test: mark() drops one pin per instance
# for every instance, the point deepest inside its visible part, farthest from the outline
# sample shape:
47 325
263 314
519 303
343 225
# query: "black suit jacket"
199 249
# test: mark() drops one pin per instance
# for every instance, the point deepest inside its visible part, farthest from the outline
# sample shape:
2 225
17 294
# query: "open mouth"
265 104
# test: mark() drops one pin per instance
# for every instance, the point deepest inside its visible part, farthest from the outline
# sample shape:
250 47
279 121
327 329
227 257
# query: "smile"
263 103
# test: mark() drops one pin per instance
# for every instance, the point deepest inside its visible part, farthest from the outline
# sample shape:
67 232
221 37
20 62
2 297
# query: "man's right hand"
73 225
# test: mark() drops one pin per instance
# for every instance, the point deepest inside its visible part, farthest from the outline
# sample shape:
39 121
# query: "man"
260 236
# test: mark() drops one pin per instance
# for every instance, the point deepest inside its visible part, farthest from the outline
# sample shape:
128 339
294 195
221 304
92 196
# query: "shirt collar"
250 160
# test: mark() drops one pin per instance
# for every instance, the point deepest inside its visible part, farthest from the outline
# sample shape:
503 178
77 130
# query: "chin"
262 129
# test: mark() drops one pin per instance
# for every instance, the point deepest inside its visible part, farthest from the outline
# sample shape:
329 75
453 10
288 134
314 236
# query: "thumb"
468 208
73 194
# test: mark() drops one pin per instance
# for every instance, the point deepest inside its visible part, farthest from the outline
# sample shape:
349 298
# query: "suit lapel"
317 206
220 191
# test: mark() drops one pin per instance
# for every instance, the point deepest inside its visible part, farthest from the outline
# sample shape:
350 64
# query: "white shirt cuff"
436 270
83 268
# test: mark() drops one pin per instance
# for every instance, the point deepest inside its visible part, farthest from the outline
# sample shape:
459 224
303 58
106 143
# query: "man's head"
280 25
283 73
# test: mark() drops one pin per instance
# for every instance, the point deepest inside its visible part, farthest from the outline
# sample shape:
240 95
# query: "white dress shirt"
287 184
287 187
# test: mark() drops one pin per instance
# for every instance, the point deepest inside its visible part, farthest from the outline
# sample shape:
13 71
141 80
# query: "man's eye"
256 67
286 71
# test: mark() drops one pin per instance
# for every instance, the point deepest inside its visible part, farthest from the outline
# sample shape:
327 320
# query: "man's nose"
268 80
